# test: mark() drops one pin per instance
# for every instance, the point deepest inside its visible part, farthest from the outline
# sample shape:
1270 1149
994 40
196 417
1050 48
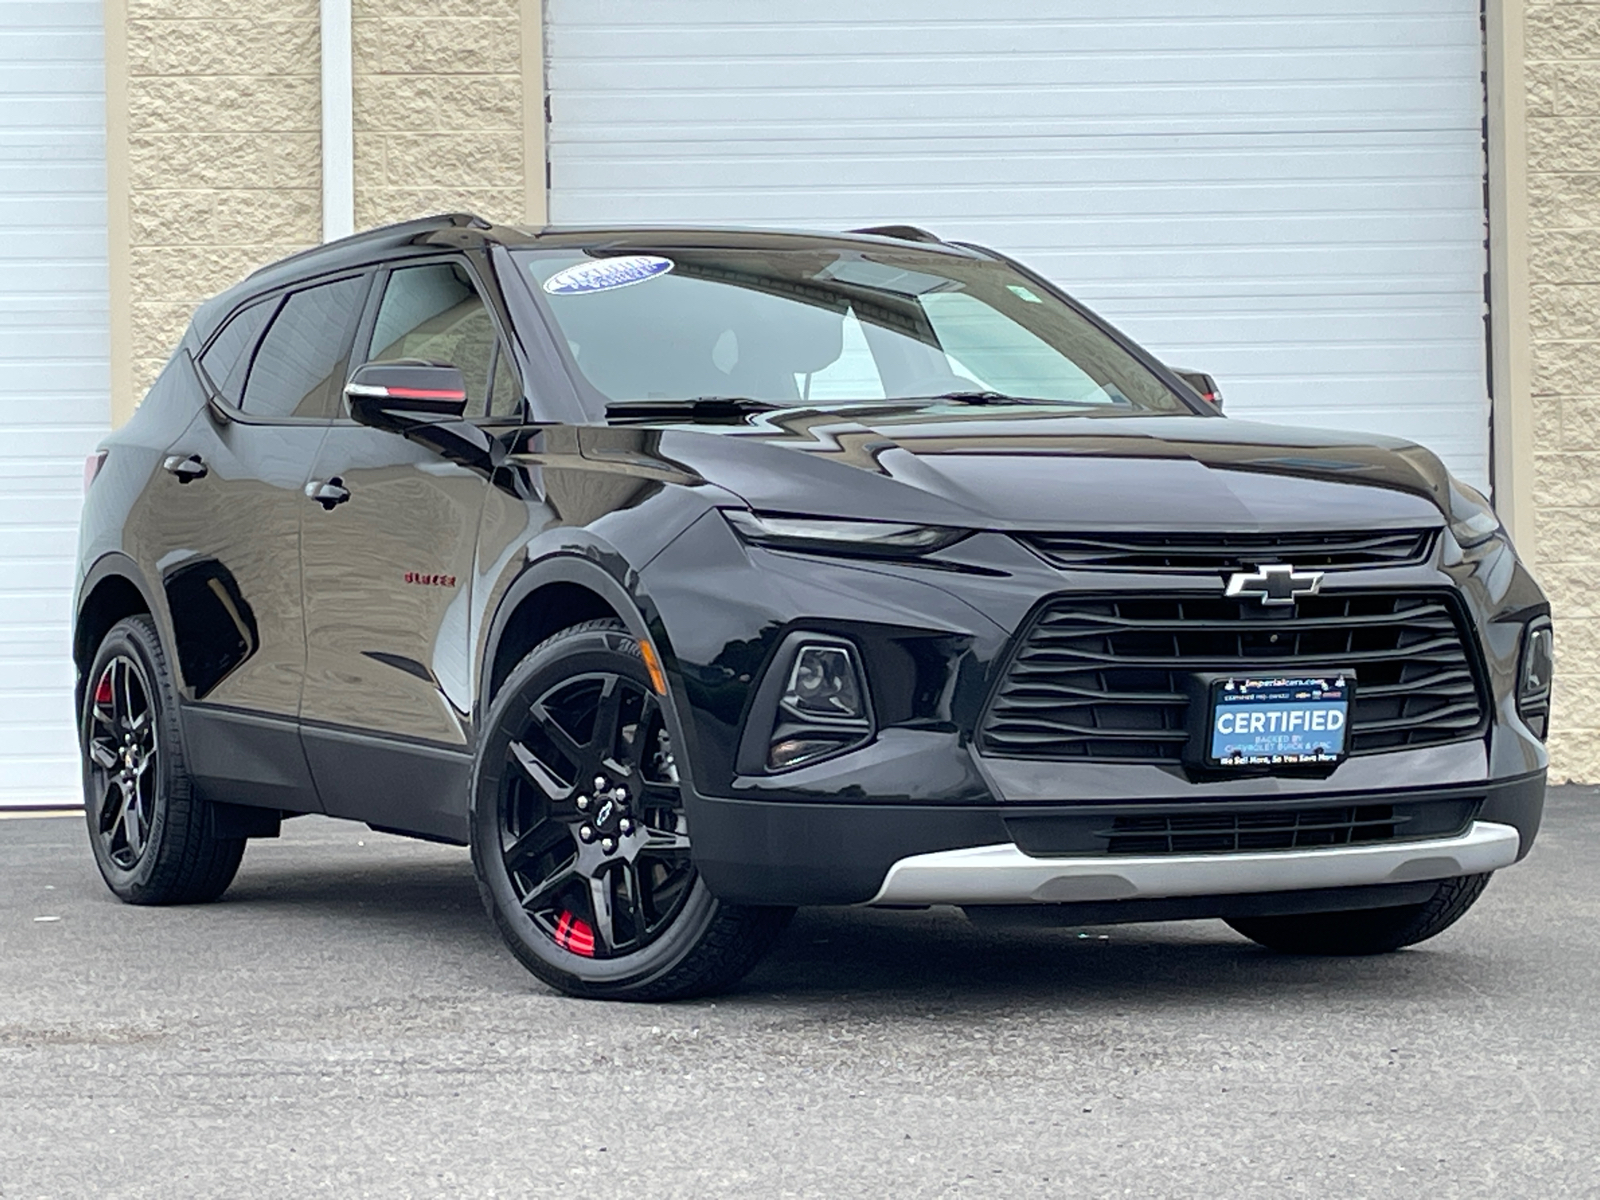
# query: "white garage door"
54 373
1285 193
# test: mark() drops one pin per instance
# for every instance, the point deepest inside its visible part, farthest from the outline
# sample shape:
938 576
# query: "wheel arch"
112 589
552 594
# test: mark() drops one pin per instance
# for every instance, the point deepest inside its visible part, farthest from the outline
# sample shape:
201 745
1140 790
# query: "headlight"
1534 676
812 704
823 683
879 539
823 711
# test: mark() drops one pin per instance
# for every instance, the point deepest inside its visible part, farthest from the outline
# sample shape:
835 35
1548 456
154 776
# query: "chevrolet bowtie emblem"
1275 584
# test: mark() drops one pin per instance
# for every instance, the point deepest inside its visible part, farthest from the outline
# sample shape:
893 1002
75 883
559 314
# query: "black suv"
689 575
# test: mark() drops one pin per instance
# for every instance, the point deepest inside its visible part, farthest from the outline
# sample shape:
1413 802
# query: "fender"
112 562
585 560
115 563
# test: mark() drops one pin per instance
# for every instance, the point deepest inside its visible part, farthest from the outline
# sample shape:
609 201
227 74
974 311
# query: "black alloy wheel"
580 838
153 838
592 828
123 758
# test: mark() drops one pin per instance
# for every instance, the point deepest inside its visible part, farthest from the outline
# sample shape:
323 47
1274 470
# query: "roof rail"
453 220
904 233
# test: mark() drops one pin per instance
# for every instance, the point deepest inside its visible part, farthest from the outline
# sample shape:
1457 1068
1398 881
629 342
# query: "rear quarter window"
226 361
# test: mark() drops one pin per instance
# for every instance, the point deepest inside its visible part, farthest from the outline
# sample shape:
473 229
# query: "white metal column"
338 122
54 363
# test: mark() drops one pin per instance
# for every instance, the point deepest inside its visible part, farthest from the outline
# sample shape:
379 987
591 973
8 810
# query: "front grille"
1227 552
1106 679
1241 827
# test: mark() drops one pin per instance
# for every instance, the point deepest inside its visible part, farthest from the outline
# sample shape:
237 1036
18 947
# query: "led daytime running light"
840 536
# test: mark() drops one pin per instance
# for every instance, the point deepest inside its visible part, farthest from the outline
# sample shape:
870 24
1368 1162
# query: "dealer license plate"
1279 721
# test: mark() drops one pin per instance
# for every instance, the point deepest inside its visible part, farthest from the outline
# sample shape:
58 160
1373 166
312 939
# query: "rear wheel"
1367 930
151 835
579 837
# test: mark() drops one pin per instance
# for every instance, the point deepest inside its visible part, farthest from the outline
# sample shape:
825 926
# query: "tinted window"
505 397
434 313
299 368
228 357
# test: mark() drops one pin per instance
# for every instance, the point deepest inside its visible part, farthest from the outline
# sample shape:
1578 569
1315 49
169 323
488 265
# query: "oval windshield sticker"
603 274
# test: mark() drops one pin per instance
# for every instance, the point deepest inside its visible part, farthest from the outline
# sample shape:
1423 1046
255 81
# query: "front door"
387 556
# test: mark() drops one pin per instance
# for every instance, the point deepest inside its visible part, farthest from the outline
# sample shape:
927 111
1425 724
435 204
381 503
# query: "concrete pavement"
344 1022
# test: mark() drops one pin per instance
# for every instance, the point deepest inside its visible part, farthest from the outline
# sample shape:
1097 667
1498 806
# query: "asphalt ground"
344 1022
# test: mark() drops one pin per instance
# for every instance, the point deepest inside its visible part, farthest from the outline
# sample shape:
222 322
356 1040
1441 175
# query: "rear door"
388 567
225 529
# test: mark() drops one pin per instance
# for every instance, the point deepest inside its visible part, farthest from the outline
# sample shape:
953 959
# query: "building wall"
215 143
438 109
222 163
1562 74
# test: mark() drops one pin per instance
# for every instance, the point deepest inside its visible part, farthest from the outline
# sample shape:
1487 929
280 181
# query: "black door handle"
186 469
328 494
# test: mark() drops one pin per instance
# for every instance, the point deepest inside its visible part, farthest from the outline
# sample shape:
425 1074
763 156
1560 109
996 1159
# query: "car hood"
1028 467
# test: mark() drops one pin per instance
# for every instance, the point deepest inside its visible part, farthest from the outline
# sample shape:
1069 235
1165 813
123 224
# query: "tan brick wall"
224 169
223 153
438 109
1563 90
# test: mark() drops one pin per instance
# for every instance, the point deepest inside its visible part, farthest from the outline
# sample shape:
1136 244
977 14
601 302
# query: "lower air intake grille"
1240 828
1104 679
1222 834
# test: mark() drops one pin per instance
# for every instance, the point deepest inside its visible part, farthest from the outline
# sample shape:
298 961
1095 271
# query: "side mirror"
1202 383
424 402
399 396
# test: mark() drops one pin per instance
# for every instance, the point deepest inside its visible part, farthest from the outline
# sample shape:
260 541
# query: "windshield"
830 326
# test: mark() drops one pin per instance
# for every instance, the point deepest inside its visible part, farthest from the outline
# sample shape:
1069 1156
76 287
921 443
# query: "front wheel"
579 838
1366 930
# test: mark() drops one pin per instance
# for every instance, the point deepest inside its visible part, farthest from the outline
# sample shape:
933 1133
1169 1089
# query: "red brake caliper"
102 690
574 934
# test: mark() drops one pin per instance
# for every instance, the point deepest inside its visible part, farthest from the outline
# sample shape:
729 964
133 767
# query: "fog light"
1538 663
821 708
824 683
1534 676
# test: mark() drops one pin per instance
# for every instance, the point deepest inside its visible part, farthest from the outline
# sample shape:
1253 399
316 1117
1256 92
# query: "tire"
151 835
579 840
1366 930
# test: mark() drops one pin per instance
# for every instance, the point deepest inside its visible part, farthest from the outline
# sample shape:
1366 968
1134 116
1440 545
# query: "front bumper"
934 639
769 852
1006 875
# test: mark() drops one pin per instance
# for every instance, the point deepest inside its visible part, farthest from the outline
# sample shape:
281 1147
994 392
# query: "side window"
433 312
228 357
505 397
298 371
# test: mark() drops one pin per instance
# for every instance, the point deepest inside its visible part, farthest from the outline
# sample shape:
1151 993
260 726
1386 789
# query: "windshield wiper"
981 397
987 397
697 408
